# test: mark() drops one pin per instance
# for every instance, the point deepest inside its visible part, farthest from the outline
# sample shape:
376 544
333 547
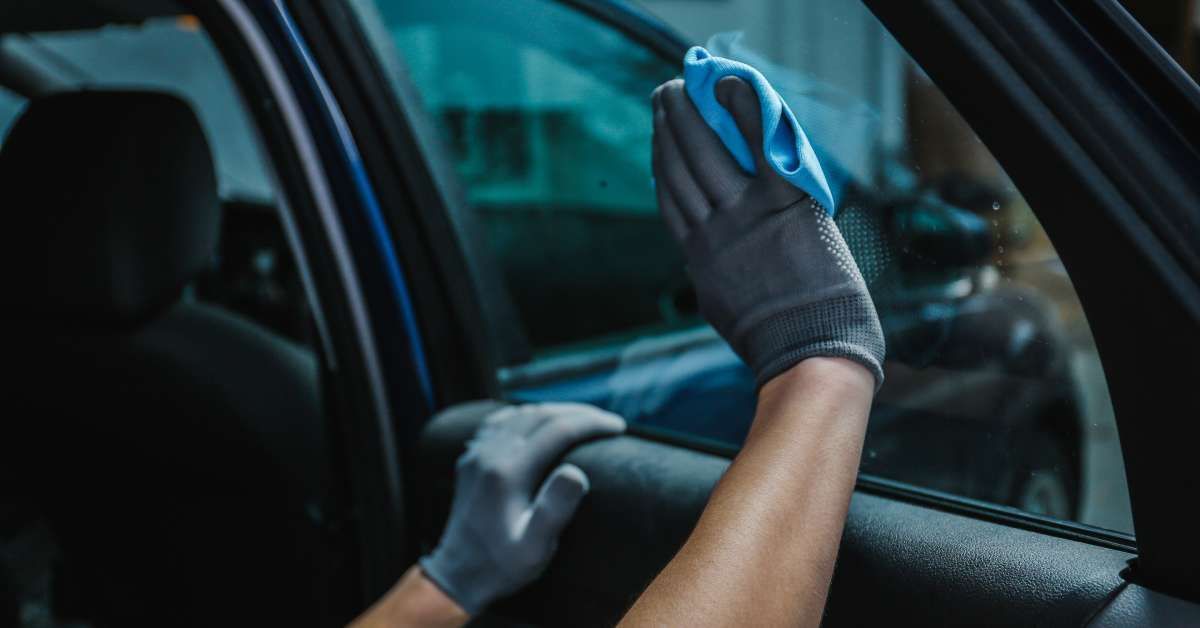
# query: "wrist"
844 375
843 326
414 601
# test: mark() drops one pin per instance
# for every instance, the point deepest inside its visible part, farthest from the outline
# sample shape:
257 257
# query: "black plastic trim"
912 494
414 207
898 562
1140 301
636 23
995 513
1144 61
345 391
1140 148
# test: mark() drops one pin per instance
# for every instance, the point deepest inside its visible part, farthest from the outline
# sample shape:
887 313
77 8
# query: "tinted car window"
551 146
994 390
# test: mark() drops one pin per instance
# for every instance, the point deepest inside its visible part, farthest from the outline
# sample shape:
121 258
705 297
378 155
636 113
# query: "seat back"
177 449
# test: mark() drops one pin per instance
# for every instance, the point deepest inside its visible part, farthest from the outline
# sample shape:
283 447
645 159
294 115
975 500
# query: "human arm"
765 546
415 601
774 277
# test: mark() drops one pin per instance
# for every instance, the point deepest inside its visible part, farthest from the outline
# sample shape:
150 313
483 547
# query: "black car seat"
175 448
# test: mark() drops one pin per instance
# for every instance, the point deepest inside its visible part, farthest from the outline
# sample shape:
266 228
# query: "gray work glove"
503 528
771 270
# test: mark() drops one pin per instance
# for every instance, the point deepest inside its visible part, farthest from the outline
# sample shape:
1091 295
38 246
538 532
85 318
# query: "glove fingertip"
734 90
568 483
610 423
557 501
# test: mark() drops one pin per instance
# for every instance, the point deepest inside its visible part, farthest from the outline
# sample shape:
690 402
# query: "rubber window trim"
918 495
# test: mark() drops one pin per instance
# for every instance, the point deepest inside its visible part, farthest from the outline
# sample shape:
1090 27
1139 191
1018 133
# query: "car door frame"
949 39
374 374
1022 97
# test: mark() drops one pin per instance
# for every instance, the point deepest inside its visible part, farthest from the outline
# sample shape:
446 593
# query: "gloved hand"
503 528
771 270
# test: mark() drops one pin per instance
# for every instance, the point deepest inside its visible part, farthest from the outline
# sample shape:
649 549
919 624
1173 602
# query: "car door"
1012 178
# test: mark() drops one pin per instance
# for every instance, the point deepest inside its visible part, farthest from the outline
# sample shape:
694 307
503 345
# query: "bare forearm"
765 546
414 602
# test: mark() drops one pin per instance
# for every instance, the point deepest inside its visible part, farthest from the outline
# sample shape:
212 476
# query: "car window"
551 149
993 388
255 273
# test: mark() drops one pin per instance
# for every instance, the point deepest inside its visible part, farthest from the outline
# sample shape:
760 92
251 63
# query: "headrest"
111 206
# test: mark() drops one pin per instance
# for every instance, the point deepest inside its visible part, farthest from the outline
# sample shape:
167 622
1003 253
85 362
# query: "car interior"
590 300
170 447
174 453
911 552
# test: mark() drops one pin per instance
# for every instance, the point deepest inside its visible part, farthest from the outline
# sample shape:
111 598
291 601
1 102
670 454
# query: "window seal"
416 204
637 24
913 494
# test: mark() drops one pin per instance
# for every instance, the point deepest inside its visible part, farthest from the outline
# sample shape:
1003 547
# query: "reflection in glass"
994 389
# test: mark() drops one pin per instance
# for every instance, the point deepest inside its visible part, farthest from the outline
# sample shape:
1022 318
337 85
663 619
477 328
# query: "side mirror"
931 234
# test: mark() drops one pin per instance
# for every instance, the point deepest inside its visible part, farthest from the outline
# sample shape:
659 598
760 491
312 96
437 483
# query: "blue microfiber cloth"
785 145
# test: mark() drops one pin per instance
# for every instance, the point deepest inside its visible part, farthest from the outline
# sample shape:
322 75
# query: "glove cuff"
841 327
439 575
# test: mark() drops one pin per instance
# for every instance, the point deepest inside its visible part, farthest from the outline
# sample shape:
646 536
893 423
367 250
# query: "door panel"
1136 605
896 560
951 563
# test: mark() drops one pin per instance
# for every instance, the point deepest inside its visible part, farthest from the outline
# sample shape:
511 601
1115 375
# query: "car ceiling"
18 16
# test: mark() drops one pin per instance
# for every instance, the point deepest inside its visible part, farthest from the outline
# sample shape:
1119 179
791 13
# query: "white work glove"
505 521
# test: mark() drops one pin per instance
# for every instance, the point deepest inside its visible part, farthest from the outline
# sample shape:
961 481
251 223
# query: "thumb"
556 503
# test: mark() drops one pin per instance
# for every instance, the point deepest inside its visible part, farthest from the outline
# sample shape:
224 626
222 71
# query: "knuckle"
495 468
